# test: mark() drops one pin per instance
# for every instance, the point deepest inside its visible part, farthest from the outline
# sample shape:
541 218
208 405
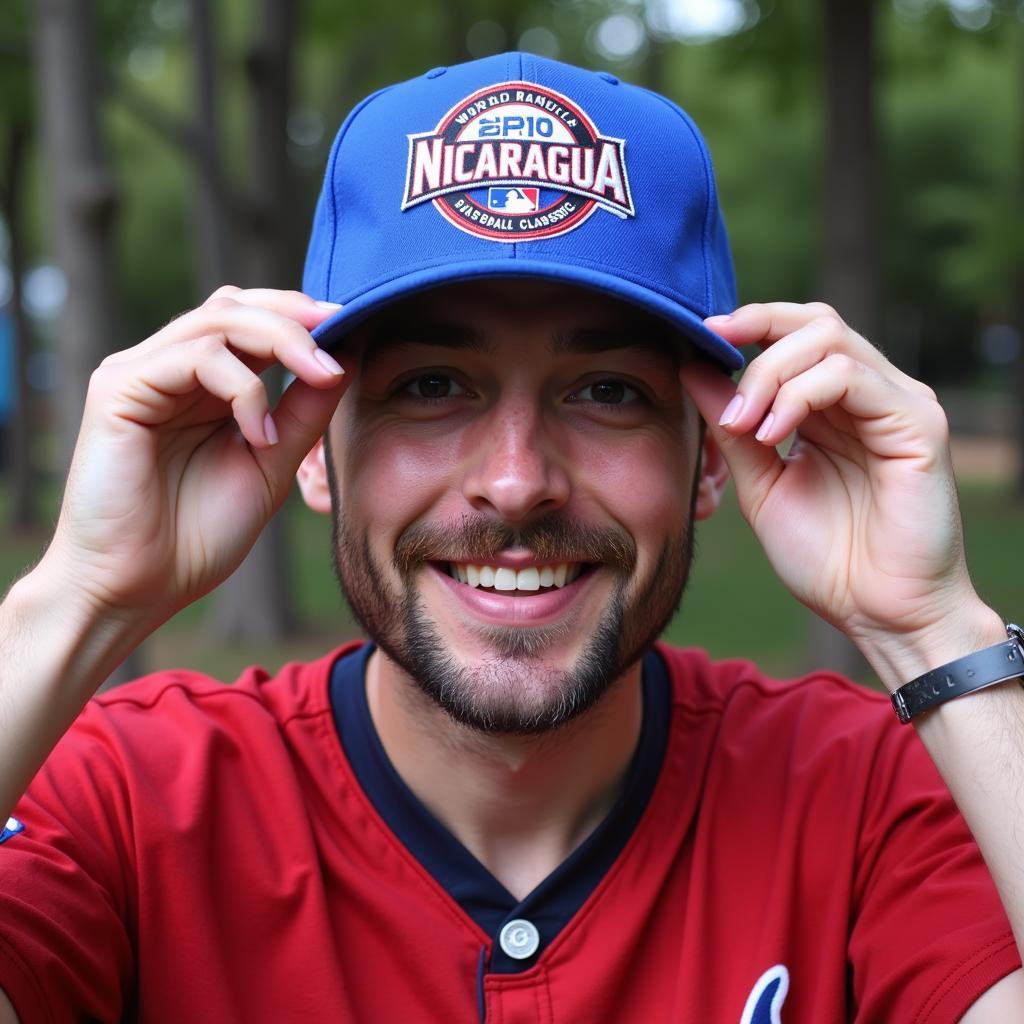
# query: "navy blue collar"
553 903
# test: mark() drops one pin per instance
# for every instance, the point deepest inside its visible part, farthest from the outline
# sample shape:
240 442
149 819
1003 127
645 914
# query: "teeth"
505 579
528 579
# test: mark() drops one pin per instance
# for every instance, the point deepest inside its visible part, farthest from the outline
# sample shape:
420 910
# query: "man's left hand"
860 518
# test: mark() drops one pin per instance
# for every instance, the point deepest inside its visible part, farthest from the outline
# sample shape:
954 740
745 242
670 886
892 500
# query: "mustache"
552 539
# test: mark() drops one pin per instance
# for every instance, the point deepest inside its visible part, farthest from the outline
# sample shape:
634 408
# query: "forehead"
501 316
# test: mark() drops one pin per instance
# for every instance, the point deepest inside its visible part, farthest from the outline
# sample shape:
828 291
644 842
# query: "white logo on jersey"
12 828
764 1004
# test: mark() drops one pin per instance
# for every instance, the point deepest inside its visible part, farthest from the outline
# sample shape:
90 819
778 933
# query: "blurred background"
870 153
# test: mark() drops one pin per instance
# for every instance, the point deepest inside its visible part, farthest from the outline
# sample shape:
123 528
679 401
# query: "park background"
869 153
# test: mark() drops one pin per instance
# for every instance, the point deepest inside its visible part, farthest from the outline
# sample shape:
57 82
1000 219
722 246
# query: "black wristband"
965 675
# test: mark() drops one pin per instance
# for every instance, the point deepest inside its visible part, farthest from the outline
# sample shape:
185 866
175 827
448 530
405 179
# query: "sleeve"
929 934
66 885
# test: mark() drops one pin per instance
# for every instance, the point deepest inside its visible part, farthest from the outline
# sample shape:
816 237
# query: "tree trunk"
254 605
83 205
849 277
213 225
84 199
850 259
23 513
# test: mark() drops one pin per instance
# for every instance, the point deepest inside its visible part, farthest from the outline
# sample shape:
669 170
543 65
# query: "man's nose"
515 467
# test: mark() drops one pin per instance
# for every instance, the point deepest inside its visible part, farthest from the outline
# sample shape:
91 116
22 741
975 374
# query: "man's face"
512 475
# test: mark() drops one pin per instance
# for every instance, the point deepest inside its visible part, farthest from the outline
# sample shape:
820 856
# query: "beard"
511 691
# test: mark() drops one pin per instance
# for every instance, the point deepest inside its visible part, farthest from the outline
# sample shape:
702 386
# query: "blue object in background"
6 367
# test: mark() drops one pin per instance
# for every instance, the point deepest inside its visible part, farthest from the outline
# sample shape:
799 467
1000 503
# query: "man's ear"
714 475
312 478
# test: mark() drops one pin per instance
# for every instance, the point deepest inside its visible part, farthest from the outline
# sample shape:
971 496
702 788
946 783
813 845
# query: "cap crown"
650 219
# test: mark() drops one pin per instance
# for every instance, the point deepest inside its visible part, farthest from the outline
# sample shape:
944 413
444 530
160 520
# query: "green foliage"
954 162
948 102
15 51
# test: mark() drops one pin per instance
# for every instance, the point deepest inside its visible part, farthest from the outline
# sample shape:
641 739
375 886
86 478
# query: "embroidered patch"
12 828
515 162
764 1004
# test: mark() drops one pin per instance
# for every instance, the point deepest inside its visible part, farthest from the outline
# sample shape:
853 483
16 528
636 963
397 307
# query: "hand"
178 464
860 520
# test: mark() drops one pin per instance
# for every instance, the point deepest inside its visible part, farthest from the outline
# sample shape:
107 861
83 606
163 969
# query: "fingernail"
328 363
732 411
269 429
328 305
718 318
766 427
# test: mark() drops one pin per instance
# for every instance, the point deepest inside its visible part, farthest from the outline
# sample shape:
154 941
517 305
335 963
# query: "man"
510 806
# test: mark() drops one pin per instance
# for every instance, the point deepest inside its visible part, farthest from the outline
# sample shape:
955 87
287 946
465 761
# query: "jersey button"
519 939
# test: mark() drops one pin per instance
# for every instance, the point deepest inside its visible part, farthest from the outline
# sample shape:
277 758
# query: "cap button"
435 72
607 76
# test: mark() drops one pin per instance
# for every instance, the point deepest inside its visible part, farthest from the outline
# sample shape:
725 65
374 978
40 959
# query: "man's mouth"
503 579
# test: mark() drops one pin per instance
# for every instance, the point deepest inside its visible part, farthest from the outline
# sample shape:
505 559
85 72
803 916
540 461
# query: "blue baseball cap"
520 166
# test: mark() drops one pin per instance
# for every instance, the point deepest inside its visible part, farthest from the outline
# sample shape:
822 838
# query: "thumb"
754 466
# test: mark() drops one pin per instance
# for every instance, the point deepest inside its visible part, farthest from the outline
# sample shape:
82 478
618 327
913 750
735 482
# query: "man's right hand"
176 471
179 464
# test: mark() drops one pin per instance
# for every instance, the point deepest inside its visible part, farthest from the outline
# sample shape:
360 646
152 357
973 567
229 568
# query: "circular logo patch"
516 162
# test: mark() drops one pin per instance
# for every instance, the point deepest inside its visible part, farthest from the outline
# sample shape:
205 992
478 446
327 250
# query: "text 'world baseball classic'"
515 162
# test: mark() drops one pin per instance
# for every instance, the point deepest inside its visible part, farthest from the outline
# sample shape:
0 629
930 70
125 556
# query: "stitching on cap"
618 272
711 193
332 164
521 76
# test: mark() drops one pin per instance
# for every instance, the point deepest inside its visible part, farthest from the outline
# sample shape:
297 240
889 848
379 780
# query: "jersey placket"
511 979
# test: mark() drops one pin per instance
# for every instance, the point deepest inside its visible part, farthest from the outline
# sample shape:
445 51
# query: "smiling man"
517 484
511 804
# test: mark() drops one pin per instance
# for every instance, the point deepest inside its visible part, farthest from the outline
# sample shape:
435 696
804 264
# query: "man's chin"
548 648
504 680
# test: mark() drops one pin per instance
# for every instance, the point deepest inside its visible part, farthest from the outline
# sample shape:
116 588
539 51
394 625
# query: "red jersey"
781 852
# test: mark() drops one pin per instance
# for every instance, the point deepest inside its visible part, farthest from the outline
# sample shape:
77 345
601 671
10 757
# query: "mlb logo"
513 199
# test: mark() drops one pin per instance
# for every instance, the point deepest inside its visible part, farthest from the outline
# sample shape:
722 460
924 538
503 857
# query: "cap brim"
688 323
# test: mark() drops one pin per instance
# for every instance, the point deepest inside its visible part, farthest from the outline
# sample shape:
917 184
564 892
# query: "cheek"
392 475
643 481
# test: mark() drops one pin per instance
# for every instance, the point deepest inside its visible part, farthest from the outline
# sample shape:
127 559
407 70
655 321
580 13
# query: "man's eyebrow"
642 335
387 336
647 337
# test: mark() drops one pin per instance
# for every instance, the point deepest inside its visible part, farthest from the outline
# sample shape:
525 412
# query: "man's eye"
607 392
432 386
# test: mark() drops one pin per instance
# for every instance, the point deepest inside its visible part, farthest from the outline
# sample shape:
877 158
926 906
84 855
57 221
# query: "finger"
150 391
754 467
302 416
216 312
225 290
766 322
807 346
296 305
253 332
869 397
226 377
